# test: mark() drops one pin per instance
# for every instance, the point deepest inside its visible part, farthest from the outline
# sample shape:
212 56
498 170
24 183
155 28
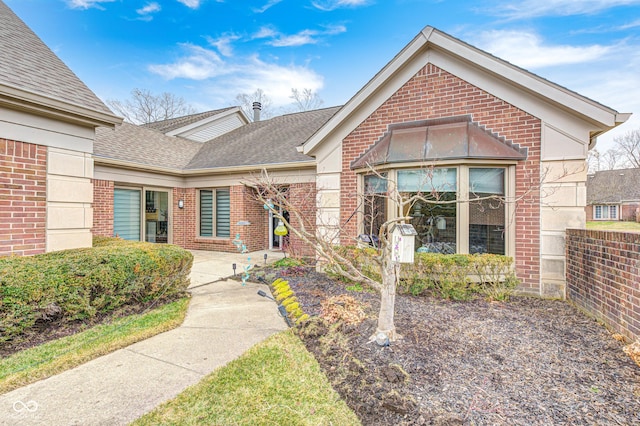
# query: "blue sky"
209 51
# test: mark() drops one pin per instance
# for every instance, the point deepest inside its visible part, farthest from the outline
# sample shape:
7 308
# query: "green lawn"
277 382
614 226
59 355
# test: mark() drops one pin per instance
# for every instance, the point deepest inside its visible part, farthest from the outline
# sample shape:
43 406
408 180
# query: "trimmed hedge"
82 283
452 276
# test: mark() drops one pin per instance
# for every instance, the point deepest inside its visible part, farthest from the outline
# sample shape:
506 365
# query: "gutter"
104 161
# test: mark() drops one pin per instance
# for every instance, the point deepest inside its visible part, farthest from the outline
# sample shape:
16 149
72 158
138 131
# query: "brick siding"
244 207
603 277
434 93
303 197
102 208
23 198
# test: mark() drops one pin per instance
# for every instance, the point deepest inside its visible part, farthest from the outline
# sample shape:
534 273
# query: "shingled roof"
139 145
29 65
613 186
171 124
272 141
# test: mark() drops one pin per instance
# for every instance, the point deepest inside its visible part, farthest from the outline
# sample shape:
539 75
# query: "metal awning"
439 139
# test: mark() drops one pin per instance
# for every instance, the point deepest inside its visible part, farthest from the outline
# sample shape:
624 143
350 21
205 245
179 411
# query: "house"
441 118
190 190
446 118
48 119
613 195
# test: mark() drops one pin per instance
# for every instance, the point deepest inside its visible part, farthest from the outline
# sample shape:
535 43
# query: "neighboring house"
47 127
442 117
614 195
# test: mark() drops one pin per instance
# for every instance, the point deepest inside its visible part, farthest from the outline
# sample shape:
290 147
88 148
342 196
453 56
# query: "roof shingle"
171 124
28 64
272 141
613 186
143 146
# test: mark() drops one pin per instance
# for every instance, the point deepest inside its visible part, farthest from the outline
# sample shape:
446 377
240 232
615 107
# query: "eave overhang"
34 103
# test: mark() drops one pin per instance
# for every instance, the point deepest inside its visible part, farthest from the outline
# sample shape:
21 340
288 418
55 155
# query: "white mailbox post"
403 242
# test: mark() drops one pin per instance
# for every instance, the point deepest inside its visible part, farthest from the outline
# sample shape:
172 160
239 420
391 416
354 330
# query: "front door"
276 241
156 216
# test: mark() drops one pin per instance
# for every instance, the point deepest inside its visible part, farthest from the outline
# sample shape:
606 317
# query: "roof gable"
500 78
32 77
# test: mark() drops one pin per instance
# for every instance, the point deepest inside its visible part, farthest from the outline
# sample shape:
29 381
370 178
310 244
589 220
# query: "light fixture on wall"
180 204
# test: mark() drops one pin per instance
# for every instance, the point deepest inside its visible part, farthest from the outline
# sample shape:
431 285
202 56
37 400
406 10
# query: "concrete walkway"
224 319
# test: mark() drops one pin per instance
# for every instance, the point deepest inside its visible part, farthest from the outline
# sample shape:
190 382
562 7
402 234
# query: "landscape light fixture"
265 259
233 265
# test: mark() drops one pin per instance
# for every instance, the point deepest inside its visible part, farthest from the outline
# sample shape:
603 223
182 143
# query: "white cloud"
274 79
267 6
302 38
329 5
199 64
193 4
87 4
149 9
534 8
226 78
223 43
529 51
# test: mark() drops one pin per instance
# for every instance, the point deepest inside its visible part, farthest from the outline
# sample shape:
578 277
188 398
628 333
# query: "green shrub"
451 276
82 283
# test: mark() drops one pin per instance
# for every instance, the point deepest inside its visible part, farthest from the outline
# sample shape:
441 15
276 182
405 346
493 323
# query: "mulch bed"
524 362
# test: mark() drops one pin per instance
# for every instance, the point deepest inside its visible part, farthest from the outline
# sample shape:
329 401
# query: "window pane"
486 217
223 213
375 206
434 220
598 212
206 213
613 212
427 180
126 213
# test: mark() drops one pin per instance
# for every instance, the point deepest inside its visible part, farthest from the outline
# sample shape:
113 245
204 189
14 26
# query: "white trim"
204 121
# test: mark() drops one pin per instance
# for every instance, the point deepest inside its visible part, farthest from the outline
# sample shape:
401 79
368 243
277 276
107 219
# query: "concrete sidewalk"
224 319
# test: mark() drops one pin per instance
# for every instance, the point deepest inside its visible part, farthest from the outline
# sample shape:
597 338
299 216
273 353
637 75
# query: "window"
487 213
462 209
215 213
605 212
126 213
375 205
435 218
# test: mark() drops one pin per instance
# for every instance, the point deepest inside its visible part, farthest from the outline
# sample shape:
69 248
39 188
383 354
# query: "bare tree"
145 107
269 193
306 99
610 159
245 101
628 146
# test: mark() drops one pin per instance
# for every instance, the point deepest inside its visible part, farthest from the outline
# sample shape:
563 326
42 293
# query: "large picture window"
215 213
435 217
462 209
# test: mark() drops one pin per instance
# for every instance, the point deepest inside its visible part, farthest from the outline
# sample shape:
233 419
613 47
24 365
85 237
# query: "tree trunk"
386 324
